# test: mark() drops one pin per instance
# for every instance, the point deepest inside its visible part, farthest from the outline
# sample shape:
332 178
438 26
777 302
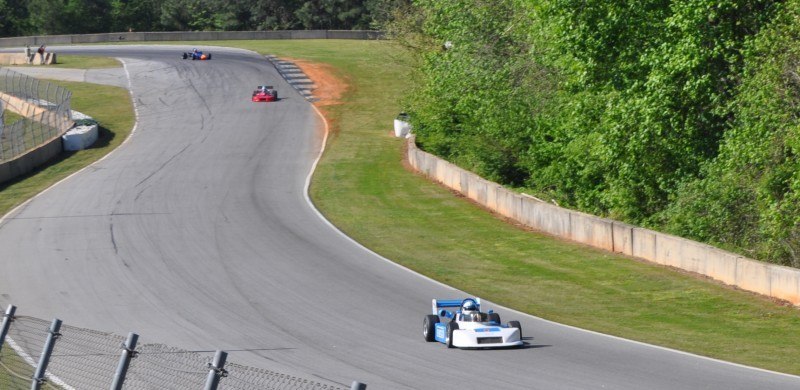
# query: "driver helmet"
469 305
194 50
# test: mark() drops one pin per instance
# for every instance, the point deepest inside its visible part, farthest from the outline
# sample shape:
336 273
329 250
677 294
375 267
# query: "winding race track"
197 233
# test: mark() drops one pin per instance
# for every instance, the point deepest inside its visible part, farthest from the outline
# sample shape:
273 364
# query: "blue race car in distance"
196 55
468 327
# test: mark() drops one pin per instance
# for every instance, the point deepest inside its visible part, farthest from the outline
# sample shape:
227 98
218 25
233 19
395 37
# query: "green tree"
476 61
332 14
274 15
47 17
749 196
87 16
13 18
381 12
193 15
135 15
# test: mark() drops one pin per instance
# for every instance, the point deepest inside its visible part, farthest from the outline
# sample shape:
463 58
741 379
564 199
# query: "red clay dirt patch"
328 88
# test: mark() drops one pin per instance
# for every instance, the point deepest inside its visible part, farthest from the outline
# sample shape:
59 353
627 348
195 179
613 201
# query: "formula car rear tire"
451 327
494 317
429 327
515 324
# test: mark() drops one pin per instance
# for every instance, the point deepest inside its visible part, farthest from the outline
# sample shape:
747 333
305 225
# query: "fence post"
128 352
216 370
358 386
7 318
38 376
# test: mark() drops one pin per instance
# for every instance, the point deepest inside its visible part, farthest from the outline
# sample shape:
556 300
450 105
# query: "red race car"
265 93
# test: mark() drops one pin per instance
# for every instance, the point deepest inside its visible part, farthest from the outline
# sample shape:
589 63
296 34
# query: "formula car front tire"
515 324
429 327
494 317
209 56
451 327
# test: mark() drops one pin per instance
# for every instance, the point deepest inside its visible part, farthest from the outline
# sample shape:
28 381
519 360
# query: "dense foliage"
34 17
677 115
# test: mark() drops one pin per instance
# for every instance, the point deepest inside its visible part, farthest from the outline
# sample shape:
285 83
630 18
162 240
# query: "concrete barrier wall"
13 59
622 236
36 41
29 110
80 137
591 230
722 265
763 278
694 256
785 282
19 106
29 161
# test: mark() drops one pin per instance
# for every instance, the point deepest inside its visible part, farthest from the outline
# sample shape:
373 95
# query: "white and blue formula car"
468 327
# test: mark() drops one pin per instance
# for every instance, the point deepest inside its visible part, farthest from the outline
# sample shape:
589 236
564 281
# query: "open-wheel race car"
469 327
196 55
265 93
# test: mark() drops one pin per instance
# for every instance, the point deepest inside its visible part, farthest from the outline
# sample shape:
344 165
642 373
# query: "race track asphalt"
197 233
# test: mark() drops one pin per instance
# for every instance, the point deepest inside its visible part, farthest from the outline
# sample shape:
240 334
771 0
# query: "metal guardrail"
36 353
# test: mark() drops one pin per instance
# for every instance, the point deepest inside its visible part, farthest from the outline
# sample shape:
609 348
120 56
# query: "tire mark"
163 165
114 243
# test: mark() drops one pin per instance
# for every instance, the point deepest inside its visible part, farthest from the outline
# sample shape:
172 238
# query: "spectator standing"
41 54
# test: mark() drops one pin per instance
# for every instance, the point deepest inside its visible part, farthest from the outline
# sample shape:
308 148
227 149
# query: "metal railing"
43 108
40 354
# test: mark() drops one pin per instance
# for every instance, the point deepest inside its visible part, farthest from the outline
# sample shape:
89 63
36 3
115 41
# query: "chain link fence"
42 112
84 359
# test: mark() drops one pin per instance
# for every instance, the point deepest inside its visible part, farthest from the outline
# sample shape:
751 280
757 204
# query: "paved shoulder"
106 76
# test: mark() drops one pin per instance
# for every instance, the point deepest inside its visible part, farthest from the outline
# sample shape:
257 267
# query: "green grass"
362 187
86 62
15 373
10 117
81 62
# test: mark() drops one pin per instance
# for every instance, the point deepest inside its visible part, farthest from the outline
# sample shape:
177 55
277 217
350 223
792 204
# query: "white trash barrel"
401 126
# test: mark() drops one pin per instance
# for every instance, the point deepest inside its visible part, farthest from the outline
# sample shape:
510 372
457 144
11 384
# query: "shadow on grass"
104 138
49 163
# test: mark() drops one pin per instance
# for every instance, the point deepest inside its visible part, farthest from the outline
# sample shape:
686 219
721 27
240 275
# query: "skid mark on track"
163 165
139 194
199 95
113 239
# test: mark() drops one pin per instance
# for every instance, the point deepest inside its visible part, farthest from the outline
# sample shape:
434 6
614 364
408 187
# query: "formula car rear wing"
438 304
